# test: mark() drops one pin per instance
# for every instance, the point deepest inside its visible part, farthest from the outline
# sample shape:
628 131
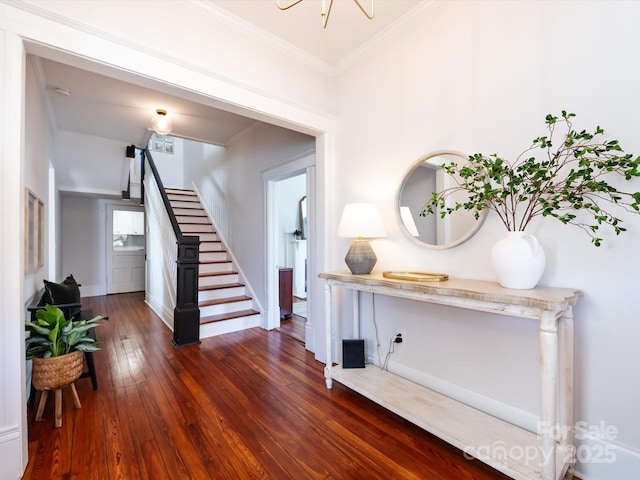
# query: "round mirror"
423 178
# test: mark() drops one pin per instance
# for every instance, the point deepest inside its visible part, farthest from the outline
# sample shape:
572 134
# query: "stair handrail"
186 315
163 194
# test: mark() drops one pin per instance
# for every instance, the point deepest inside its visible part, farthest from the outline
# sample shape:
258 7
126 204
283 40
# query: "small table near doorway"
285 289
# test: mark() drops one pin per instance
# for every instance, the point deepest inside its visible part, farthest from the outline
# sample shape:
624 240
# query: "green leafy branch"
566 177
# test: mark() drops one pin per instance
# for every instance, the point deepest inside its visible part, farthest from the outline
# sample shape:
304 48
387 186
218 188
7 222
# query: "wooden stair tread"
222 301
220 286
175 191
228 316
193 223
203 262
216 274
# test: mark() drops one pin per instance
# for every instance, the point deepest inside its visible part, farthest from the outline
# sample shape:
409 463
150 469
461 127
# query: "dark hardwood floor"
245 405
294 326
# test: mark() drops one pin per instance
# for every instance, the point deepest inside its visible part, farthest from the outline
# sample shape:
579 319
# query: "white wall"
193 161
232 188
171 166
38 151
480 77
102 158
83 224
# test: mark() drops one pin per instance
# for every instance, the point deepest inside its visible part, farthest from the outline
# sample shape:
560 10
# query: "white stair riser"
188 212
209 237
218 280
188 219
183 203
213 256
217 294
227 326
210 310
210 247
215 267
196 228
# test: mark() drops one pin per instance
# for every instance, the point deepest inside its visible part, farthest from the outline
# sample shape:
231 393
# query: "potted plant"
567 178
56 346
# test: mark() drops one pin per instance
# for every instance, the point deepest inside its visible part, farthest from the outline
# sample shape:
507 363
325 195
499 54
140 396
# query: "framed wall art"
34 232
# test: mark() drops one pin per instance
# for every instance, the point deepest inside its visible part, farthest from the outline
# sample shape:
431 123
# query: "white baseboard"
506 412
11 452
598 459
160 309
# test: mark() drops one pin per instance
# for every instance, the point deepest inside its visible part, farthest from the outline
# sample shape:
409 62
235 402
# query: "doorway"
290 203
290 214
126 249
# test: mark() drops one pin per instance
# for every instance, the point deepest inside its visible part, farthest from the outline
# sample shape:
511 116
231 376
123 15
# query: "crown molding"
412 16
251 30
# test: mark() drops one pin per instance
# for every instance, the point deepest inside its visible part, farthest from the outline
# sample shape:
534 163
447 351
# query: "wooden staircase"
224 305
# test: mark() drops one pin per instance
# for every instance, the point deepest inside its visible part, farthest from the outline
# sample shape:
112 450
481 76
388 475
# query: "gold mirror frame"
412 169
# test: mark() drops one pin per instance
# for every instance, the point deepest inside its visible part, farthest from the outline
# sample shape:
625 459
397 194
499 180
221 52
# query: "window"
128 230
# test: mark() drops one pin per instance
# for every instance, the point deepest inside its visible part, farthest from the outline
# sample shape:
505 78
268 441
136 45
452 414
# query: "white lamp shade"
361 220
408 222
161 123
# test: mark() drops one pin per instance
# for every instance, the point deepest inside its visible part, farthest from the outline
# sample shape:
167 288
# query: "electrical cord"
375 326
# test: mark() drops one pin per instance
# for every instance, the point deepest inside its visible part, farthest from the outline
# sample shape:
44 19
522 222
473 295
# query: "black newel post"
186 316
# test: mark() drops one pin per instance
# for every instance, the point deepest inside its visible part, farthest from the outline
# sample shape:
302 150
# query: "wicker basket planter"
57 372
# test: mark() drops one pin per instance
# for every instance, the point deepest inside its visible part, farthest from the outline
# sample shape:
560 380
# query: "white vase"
518 261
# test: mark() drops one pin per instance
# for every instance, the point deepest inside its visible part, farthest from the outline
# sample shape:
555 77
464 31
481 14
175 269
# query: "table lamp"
360 221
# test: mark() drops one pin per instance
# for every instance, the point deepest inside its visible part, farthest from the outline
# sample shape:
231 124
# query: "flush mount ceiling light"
325 12
161 123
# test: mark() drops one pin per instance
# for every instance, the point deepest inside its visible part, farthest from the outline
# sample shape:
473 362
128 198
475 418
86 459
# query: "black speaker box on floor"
352 353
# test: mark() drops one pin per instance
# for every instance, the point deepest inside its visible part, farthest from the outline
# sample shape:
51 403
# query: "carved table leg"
549 391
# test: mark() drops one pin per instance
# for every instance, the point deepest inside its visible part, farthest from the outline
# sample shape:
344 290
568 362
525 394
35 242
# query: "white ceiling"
109 108
301 25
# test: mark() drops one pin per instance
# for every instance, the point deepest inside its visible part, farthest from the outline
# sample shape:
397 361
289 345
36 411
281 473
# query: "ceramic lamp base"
360 258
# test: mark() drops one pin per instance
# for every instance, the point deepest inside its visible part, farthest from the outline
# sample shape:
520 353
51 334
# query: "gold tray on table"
417 276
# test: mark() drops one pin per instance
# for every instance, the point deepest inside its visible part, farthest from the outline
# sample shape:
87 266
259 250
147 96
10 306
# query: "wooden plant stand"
58 404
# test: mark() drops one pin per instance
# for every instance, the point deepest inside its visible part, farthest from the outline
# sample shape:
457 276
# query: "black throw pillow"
62 293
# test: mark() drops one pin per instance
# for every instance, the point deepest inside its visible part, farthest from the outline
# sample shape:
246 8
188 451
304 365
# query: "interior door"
125 249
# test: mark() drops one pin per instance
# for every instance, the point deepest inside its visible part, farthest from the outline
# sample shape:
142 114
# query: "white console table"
517 453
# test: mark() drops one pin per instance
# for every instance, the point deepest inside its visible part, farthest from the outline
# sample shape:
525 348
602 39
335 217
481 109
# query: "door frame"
110 207
304 164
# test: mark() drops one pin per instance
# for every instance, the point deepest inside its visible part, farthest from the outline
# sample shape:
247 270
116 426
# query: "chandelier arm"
325 15
287 7
366 14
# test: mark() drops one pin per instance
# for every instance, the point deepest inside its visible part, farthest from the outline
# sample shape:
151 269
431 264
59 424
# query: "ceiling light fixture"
161 123
325 12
